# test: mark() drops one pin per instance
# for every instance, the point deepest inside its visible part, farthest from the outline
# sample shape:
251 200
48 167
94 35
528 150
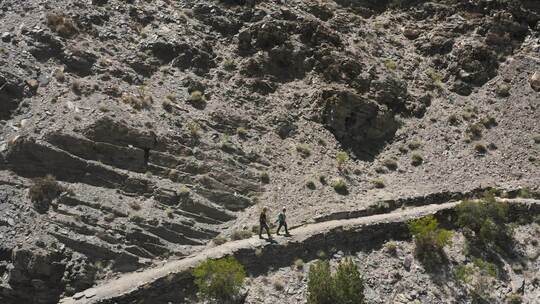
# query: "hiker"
282 222
263 224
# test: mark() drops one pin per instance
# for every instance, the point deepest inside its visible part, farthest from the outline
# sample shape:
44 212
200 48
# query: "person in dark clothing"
263 224
282 221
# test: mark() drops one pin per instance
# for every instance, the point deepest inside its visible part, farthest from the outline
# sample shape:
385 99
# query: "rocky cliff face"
172 122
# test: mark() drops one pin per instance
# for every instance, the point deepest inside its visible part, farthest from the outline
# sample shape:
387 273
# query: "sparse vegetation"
304 150
59 75
524 193
417 159
167 105
183 191
265 177
298 264
278 285
536 138
310 184
453 120
436 77
229 65
480 148
194 129
138 101
390 164
414 145
463 273
240 234
219 240
344 286
475 131
390 64
169 212
219 280
378 183
60 23
340 186
135 206
514 298
390 247
488 122
241 132
429 239
503 89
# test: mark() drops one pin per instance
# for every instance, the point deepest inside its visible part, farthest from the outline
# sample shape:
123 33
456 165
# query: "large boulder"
357 123
535 81
12 90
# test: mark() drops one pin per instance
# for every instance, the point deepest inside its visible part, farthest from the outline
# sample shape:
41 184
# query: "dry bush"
63 25
43 191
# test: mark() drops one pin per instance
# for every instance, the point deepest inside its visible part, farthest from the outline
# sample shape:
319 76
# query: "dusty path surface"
132 282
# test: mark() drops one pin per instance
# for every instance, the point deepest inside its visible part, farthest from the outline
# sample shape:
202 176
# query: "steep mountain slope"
171 122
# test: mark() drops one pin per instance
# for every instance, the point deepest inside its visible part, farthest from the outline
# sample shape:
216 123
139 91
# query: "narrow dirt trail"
132 282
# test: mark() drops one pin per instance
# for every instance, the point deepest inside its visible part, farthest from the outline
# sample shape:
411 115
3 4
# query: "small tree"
320 290
219 280
346 286
348 283
429 239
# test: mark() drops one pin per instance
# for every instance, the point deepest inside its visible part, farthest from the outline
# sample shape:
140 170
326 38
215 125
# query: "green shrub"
485 267
241 235
390 247
342 158
311 184
390 64
345 286
196 97
487 218
435 76
219 280
348 283
340 186
463 273
319 289
429 239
